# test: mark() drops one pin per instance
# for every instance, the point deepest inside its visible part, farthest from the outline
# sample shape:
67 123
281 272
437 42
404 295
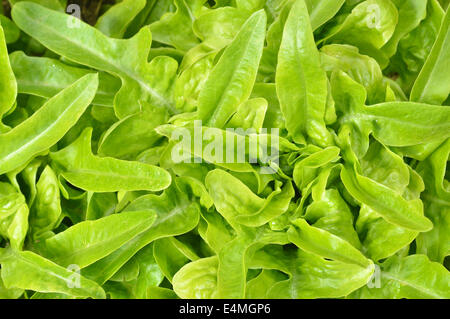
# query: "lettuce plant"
225 149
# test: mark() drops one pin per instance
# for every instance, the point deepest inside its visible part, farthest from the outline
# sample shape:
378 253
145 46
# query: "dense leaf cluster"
93 204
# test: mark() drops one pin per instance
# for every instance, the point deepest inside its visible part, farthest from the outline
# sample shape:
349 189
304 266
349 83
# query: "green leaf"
133 134
167 29
414 48
114 22
46 211
89 241
394 208
11 31
435 243
310 276
391 123
301 83
8 85
410 13
197 280
11 293
325 244
431 85
238 204
13 215
81 168
369 26
168 257
50 76
139 83
320 11
176 215
231 80
361 68
412 277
